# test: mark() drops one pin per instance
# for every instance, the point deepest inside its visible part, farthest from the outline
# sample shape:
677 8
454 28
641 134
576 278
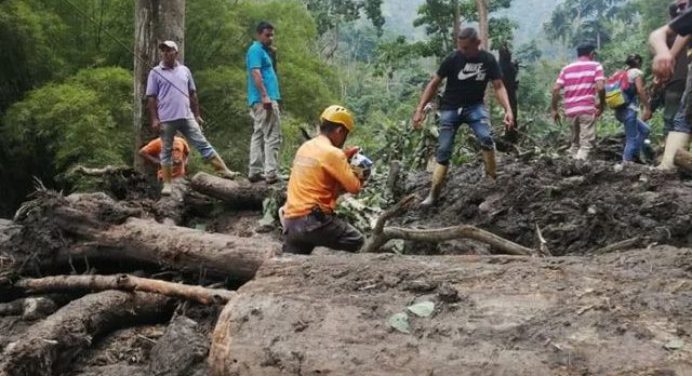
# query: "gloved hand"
351 151
361 173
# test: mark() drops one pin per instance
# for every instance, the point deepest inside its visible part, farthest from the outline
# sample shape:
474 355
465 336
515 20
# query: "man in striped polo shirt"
581 81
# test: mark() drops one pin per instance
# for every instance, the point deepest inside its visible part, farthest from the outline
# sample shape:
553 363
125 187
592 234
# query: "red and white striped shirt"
579 83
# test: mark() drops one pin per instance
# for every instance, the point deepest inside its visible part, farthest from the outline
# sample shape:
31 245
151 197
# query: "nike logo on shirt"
472 70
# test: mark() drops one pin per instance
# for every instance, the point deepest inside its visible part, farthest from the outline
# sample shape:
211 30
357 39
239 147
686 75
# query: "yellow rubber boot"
490 164
438 178
220 167
166 173
674 141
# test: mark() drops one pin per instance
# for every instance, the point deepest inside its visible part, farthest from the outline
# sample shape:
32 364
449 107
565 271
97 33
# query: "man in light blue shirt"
263 98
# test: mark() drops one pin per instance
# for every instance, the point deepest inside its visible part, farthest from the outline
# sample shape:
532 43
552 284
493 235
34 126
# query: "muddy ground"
578 207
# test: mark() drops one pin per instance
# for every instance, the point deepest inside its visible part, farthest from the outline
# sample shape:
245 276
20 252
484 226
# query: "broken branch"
126 283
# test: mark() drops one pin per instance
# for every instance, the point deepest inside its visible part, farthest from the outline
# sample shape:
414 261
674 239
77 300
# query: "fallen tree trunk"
48 347
126 283
485 315
185 249
238 194
59 230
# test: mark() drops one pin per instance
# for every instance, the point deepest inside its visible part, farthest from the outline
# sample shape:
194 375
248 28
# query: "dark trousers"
302 235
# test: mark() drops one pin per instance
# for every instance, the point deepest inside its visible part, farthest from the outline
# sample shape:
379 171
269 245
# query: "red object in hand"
351 151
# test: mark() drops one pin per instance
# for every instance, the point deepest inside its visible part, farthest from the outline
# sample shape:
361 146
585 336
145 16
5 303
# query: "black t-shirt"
467 78
682 25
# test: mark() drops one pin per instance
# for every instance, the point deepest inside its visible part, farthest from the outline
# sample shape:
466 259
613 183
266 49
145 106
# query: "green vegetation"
66 73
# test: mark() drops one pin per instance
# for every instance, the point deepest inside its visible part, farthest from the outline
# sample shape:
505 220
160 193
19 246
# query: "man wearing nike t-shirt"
467 71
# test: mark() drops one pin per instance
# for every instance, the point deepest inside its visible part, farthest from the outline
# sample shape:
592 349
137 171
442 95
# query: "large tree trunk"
49 346
155 22
238 194
185 249
492 315
93 226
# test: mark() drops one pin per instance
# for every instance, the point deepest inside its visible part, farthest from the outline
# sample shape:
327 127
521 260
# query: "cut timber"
493 315
49 346
239 194
381 235
683 159
124 282
181 248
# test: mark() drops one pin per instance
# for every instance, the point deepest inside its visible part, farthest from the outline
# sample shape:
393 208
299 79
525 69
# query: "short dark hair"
263 25
327 126
585 49
468 33
634 61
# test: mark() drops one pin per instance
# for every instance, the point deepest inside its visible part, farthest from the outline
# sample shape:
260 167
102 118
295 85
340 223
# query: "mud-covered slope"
578 207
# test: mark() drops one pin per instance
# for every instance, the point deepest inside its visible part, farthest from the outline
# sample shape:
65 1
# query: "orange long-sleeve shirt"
319 174
179 153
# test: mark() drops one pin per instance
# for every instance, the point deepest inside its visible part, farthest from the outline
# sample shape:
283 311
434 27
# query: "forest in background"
66 76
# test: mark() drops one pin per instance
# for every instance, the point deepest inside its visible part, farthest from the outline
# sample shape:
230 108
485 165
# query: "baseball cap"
169 44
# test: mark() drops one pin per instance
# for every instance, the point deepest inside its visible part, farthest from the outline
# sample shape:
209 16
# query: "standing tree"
331 14
441 18
577 20
155 22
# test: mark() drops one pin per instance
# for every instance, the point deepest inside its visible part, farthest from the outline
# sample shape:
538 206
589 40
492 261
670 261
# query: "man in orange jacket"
320 173
179 154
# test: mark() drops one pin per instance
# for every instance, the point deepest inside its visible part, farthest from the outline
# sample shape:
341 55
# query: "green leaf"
422 309
400 323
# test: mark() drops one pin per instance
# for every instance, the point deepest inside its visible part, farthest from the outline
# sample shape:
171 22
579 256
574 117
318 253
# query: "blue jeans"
192 132
476 116
636 131
680 122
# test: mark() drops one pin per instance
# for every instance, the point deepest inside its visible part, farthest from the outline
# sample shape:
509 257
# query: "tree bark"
510 71
482 6
185 249
155 22
492 315
49 346
126 283
238 194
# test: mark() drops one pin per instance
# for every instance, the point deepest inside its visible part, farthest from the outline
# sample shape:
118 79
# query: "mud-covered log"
480 315
30 308
181 248
683 159
180 350
126 283
48 347
239 194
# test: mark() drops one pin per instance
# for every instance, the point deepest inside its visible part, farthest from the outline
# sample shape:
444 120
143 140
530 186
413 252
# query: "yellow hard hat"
339 115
